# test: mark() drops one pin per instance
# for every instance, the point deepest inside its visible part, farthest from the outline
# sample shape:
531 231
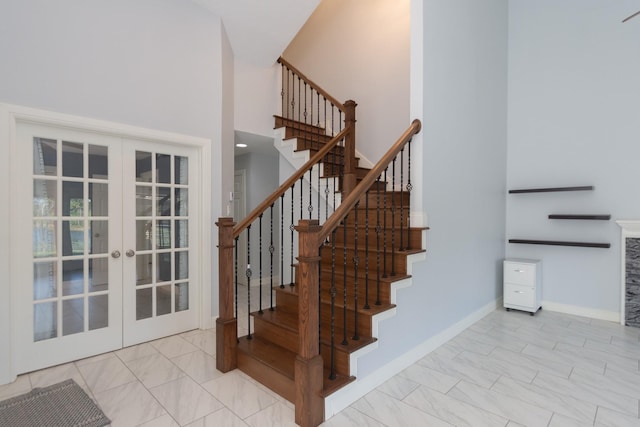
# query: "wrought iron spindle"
271 251
401 199
356 261
288 94
305 102
260 260
299 99
236 277
344 278
409 187
393 217
293 98
292 227
301 194
326 195
333 292
366 256
282 67
282 241
249 282
378 232
318 187
333 164
320 300
310 207
384 226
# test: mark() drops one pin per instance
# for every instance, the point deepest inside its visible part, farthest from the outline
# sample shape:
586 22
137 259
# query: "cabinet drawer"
523 296
522 274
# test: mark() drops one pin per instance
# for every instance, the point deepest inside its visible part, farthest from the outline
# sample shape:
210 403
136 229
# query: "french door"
107 236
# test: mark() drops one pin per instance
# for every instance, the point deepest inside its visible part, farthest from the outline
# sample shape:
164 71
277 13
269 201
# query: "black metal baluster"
282 241
366 256
393 218
356 261
333 292
301 194
299 102
249 282
305 102
260 261
293 98
310 208
313 138
320 300
282 67
271 251
344 278
326 194
401 199
288 94
318 188
378 231
384 226
236 277
333 164
291 227
409 187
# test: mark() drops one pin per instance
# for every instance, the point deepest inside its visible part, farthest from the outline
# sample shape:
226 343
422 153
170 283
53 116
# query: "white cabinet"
522 284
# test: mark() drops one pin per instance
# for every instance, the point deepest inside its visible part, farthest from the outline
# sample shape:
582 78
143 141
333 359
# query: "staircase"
347 264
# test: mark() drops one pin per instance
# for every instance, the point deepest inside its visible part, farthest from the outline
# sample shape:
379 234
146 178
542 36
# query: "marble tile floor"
508 369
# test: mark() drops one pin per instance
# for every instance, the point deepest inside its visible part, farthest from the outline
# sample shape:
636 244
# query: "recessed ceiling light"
241 145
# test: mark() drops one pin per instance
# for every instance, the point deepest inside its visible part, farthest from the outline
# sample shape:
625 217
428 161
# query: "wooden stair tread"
339 304
340 246
287 320
372 276
278 358
283 361
331 386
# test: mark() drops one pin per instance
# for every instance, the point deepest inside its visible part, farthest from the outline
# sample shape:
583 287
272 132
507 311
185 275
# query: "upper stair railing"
308 106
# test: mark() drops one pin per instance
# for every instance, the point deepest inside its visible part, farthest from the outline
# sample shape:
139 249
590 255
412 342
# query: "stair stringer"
346 391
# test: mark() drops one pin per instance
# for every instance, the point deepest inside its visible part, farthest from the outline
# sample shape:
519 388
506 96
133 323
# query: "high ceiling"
260 30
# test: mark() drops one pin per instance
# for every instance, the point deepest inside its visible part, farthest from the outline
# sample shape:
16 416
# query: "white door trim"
10 115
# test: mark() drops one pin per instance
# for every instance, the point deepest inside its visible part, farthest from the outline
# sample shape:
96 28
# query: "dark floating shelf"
559 243
551 190
587 217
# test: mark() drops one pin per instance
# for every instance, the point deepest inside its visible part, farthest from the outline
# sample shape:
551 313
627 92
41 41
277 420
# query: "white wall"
574 119
463 168
359 49
149 63
257 97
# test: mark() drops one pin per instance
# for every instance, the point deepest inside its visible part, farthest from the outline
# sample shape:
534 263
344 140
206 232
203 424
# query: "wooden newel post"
308 370
226 323
349 148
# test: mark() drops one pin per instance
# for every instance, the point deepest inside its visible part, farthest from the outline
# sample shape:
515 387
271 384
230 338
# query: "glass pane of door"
160 290
70 239
162 234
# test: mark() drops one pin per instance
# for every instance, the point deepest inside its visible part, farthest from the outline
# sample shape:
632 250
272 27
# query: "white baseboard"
361 386
593 313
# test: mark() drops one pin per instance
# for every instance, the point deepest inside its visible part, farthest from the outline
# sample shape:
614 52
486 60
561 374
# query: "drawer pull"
519 271
518 292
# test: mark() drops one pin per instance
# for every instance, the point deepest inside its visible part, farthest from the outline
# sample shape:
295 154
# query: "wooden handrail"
310 82
350 201
289 182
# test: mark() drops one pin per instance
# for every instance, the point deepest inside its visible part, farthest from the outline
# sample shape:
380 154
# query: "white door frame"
10 116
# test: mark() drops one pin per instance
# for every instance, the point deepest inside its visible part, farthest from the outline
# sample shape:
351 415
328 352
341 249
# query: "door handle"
115 254
130 253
